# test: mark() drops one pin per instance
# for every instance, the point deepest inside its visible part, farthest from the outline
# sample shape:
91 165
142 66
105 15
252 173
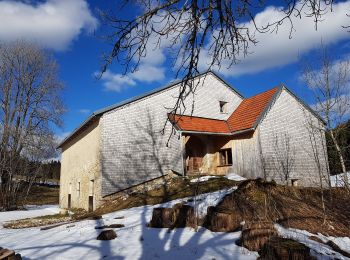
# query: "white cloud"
116 82
277 49
148 73
53 23
84 111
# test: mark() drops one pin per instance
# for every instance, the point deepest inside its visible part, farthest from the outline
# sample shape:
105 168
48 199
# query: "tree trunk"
341 158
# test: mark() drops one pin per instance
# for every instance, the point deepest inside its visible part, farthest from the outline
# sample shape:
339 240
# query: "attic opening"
223 106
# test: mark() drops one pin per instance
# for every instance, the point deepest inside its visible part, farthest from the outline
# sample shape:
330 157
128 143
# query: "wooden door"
195 153
69 201
91 203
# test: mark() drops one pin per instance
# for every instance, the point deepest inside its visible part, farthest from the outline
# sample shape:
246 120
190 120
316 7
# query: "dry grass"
42 195
294 207
174 189
38 221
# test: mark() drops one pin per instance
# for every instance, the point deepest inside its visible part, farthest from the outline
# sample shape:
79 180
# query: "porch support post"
183 152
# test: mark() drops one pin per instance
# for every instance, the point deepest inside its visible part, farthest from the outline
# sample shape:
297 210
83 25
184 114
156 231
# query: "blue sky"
70 29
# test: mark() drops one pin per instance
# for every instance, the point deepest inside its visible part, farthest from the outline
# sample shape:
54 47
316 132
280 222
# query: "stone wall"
80 165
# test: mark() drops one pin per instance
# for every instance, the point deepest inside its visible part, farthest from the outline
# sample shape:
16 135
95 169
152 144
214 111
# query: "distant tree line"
50 171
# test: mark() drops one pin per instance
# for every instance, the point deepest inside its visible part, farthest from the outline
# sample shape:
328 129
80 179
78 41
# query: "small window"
295 182
78 188
91 188
225 157
223 106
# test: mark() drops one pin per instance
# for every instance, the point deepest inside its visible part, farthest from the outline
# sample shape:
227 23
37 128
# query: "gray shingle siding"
134 149
288 119
285 119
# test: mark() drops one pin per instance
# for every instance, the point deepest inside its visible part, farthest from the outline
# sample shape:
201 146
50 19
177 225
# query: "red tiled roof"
244 117
199 124
250 109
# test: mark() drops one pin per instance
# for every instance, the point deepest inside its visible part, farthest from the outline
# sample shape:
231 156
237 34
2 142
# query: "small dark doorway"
91 203
69 201
194 153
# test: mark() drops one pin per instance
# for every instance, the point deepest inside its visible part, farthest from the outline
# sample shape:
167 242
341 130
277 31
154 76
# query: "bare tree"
284 156
212 32
30 107
329 81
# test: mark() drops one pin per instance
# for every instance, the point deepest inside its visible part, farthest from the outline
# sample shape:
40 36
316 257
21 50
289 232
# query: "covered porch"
207 154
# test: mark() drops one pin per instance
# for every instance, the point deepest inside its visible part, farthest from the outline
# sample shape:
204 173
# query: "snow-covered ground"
134 241
319 250
30 212
203 178
338 180
137 241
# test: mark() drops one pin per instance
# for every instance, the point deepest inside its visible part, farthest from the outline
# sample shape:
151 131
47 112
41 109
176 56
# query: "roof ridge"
276 87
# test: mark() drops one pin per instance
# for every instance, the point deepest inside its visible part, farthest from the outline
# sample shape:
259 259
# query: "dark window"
225 156
223 106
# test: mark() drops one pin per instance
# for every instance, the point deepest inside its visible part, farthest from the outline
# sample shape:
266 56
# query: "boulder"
256 234
107 235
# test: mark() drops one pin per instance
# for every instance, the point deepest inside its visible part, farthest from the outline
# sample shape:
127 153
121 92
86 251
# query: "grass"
294 207
38 221
42 195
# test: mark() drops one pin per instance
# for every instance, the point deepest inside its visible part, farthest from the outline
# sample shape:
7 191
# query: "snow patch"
202 201
234 177
338 180
203 178
319 250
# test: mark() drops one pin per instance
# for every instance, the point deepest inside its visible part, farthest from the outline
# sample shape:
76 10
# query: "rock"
222 221
17 257
283 248
256 234
107 235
